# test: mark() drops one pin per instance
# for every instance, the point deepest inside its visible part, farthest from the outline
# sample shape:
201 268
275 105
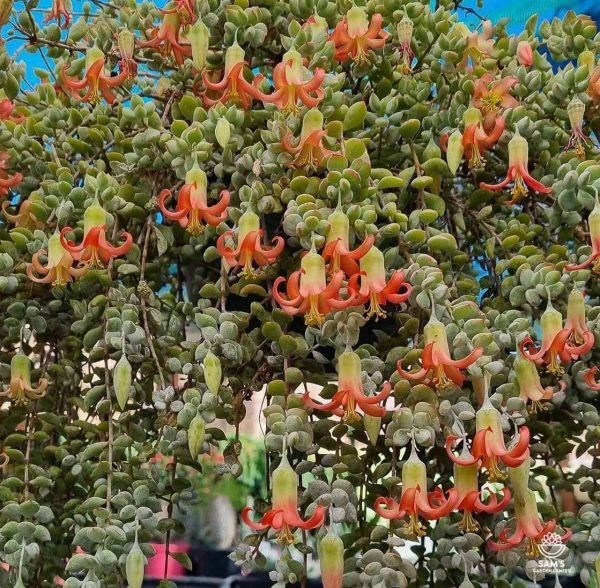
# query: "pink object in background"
156 564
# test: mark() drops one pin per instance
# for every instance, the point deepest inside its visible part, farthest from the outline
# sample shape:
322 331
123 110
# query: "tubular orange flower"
192 206
94 250
590 378
415 500
525 54
438 367
491 96
578 140
24 218
337 250
7 112
481 44
58 270
20 389
186 9
290 86
354 35
6 181
518 161
373 287
58 12
167 37
283 516
249 247
94 79
476 141
331 560
350 394
233 87
529 528
594 224
308 292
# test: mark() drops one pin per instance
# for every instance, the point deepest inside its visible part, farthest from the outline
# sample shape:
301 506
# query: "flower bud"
525 54
212 372
455 151
223 132
134 566
199 37
576 111
405 30
196 435
122 381
331 560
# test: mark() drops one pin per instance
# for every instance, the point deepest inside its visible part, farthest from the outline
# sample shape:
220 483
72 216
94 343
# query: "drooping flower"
415 500
480 44
291 87
405 32
350 394
168 39
488 447
283 515
309 293
25 217
95 80
476 140
354 36
373 287
186 9
94 250
588 58
492 96
437 365
594 225
192 208
518 162
58 12
7 181
310 152
317 26
331 560
249 248
20 389
337 252
233 87
525 54
578 139
127 63
528 528
590 378
469 496
7 112
560 345
59 269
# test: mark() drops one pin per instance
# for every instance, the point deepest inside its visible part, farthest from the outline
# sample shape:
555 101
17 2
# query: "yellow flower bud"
455 151
223 132
122 381
134 566
196 435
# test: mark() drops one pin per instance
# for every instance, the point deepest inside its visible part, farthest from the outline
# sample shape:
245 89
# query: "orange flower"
168 37
309 293
59 269
7 109
192 206
525 54
310 153
25 217
94 250
7 182
594 224
249 247
590 378
59 11
350 394
354 36
233 87
290 86
95 79
491 96
518 162
480 45
476 141
20 389
186 9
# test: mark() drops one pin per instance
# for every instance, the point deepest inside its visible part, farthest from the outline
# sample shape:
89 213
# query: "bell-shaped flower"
94 250
466 482
291 85
316 25
25 218
283 516
373 287
59 11
7 112
126 44
354 36
518 162
415 501
6 180
480 45
350 395
525 54
309 293
186 9
588 58
594 224
492 96
405 30
437 365
20 389
168 38
590 378
476 140
59 269
192 210
95 80
488 447
337 252
529 528
331 560
250 249
233 87
310 152
578 141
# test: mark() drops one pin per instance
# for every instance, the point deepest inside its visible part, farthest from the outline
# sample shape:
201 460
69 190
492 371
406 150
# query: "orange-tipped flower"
309 293
7 112
350 394
518 162
59 269
331 560
476 140
590 378
578 140
59 12
94 250
354 36
415 500
192 208
186 9
283 516
7 181
249 248
291 87
20 389
594 224
95 79
479 44
373 286
24 218
525 54
167 37
492 96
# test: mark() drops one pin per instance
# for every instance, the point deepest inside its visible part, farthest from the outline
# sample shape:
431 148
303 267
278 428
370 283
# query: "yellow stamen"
554 367
519 189
468 523
491 102
414 528
374 308
285 535
441 380
195 226
532 549
494 472
476 161
314 317
350 415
